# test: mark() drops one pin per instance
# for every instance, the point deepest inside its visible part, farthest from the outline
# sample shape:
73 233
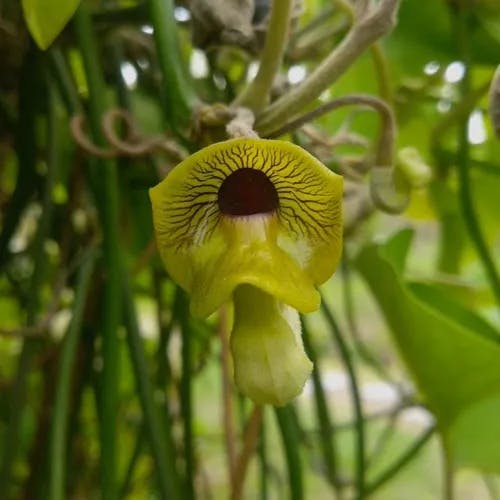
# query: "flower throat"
247 191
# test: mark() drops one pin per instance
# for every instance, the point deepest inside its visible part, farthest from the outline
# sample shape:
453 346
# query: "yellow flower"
258 222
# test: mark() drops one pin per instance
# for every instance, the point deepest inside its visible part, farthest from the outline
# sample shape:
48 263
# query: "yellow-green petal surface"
285 253
270 365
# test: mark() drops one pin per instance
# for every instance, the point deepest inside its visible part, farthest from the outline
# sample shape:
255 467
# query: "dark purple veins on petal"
247 191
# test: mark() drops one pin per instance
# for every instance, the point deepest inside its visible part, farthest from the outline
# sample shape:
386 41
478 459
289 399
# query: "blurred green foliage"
110 389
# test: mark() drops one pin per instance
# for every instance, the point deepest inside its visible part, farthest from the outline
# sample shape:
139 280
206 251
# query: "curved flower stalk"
258 222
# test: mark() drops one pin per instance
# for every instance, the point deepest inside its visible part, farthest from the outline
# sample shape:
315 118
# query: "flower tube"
259 223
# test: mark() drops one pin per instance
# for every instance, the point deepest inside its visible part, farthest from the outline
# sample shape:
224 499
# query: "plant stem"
290 440
132 464
355 395
108 205
263 460
176 91
363 33
29 94
350 315
463 157
249 443
58 440
382 72
63 79
161 443
186 408
448 474
398 464
26 150
326 428
227 392
384 155
257 94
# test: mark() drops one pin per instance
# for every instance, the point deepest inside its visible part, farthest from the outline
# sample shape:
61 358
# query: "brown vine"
132 144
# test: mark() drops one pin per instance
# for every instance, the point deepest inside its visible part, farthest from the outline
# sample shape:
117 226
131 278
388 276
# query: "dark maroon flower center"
246 192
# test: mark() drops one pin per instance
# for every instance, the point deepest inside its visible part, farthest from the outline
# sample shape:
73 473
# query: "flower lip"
247 191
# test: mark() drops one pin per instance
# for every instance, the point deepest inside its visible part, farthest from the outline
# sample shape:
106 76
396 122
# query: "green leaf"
453 355
47 18
425 32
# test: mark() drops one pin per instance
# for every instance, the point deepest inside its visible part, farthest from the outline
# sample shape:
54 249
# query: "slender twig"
350 315
463 160
176 87
227 389
256 95
263 461
185 396
367 28
106 192
400 462
384 437
379 415
26 151
132 463
43 325
28 101
296 47
249 445
327 429
63 79
290 437
355 395
384 155
381 71
448 474
133 144
387 192
57 451
160 440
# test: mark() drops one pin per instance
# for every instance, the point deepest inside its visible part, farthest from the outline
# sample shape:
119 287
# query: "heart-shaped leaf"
453 354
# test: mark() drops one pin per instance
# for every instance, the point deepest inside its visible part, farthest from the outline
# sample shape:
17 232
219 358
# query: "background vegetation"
110 389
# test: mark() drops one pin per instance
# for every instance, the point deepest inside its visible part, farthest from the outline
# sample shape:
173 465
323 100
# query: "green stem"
290 440
186 407
57 452
363 33
398 464
161 442
134 459
164 370
26 146
463 158
382 71
326 428
263 459
356 398
448 474
64 81
350 314
108 204
257 94
384 437
26 182
54 148
177 92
